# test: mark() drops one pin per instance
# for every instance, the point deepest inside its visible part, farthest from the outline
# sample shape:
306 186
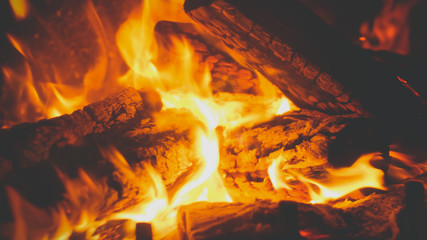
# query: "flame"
57 90
337 182
85 198
20 8
182 83
404 166
185 84
390 28
274 174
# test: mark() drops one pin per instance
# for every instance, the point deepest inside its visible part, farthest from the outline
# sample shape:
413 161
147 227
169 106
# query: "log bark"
44 157
123 120
312 64
373 217
30 143
305 139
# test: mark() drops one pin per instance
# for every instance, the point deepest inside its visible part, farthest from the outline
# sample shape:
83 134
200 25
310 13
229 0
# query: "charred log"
370 218
311 63
304 139
29 143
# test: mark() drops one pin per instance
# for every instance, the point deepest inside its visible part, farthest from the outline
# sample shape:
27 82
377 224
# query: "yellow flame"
274 174
337 182
284 106
20 8
182 84
343 181
85 198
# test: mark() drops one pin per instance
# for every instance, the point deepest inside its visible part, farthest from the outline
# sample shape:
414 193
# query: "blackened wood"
287 220
303 141
83 141
311 63
143 231
370 218
412 218
123 120
30 143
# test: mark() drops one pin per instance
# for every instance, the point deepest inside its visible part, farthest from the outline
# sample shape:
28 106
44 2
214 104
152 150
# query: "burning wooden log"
304 142
305 138
49 158
373 217
30 143
227 74
312 64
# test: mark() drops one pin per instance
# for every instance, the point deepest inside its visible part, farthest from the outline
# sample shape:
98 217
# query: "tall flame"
182 83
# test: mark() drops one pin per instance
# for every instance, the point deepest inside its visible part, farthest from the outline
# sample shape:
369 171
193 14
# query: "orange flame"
337 182
20 8
84 200
182 84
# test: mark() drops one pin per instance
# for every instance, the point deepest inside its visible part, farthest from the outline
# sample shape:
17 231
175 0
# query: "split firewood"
29 143
311 63
373 217
48 157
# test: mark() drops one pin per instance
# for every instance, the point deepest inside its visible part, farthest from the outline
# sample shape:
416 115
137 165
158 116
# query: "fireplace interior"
213 119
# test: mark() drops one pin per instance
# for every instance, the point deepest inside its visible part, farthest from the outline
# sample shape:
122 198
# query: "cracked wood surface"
312 64
39 155
372 217
302 139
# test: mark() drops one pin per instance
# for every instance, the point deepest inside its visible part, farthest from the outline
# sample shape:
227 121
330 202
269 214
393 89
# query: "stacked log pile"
331 130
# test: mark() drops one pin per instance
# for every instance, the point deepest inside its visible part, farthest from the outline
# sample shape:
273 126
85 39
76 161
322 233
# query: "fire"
390 28
181 82
337 182
20 8
85 198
